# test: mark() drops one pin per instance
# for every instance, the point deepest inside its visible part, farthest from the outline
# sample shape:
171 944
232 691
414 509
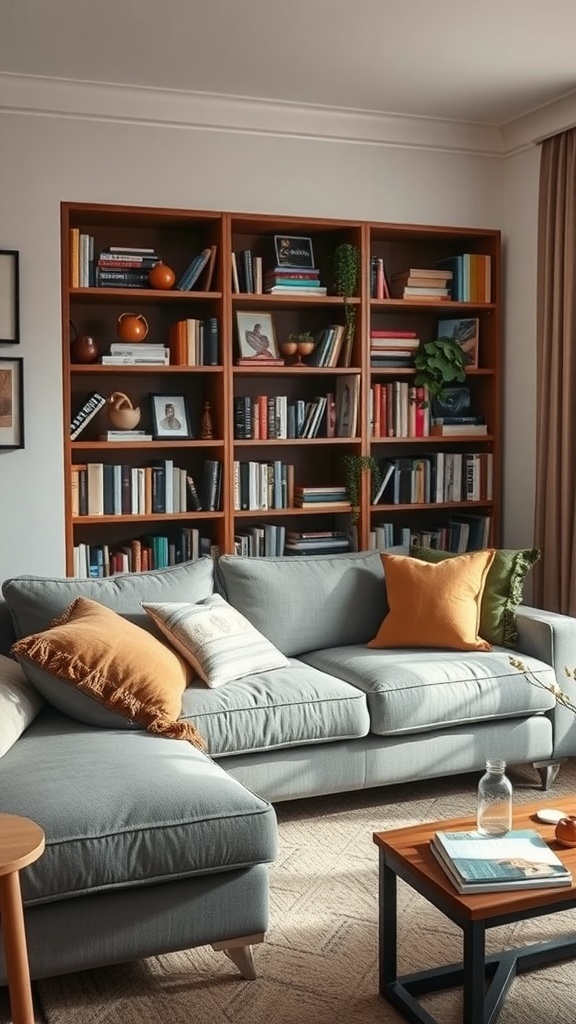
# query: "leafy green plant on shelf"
354 466
346 270
439 364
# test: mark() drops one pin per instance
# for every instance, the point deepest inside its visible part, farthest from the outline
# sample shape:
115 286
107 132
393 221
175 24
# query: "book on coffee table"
518 860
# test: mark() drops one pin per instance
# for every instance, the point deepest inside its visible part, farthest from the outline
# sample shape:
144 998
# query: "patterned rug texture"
319 963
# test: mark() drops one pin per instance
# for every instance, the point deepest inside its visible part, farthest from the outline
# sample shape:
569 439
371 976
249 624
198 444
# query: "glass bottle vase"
494 808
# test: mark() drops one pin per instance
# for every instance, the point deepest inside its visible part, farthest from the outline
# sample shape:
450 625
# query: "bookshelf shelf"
176 236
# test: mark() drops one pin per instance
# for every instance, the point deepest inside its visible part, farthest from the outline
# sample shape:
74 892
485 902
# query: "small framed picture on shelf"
294 251
465 332
9 297
11 403
257 337
170 417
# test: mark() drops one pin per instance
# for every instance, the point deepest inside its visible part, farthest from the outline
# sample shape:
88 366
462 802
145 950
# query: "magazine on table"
518 860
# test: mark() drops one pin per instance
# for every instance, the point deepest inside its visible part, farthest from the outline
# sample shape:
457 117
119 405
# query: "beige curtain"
555 514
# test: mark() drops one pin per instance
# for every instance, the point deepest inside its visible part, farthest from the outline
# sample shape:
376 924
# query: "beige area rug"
319 964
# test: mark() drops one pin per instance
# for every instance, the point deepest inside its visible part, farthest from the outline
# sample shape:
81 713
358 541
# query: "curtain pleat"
555 510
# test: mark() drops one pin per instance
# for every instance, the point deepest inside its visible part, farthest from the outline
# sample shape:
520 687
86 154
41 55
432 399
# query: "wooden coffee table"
21 843
405 853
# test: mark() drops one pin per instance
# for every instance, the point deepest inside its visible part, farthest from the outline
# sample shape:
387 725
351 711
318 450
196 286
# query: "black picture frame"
166 425
9 297
11 402
294 251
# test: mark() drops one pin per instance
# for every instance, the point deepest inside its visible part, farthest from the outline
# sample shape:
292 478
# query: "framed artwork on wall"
9 297
11 403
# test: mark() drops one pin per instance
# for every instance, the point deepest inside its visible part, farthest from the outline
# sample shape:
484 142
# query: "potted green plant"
439 363
346 269
354 466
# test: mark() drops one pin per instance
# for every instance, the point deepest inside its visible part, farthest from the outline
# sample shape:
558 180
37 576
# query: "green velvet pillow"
503 592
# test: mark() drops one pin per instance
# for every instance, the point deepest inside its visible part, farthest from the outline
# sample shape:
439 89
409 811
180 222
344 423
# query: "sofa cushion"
215 639
35 601
434 605
503 592
127 809
20 702
283 708
306 603
92 657
420 690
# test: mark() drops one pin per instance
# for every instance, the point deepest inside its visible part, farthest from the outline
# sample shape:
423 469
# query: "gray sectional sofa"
161 846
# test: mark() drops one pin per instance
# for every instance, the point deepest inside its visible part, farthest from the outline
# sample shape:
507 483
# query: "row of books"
106 489
329 349
276 417
199 273
397 409
471 277
194 342
263 485
95 561
264 541
436 478
463 532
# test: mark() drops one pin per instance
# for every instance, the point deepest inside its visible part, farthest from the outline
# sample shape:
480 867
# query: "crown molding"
533 128
52 97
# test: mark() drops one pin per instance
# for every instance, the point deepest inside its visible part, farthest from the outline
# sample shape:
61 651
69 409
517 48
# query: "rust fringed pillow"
97 667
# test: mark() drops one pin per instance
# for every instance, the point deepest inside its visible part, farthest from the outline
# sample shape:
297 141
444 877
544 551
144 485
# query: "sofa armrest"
551 637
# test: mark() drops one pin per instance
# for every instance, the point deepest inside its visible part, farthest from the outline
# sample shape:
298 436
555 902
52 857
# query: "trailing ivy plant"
354 466
439 364
346 270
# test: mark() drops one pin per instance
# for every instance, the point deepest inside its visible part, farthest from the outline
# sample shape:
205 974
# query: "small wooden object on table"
21 843
405 853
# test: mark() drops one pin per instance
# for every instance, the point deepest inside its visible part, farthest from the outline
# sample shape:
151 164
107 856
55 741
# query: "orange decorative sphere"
161 276
566 830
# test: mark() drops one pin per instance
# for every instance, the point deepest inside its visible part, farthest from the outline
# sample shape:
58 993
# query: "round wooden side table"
21 843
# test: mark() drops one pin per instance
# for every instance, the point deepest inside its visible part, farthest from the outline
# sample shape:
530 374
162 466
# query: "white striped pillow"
219 642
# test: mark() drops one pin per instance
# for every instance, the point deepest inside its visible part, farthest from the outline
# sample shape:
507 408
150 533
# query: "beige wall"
47 158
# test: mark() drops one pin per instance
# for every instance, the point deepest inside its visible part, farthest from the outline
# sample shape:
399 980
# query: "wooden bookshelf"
176 236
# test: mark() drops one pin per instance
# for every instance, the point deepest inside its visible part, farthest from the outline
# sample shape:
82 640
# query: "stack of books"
125 267
130 353
316 542
295 272
518 860
319 497
421 284
393 348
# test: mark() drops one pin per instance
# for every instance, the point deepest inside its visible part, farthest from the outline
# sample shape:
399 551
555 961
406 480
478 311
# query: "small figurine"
206 427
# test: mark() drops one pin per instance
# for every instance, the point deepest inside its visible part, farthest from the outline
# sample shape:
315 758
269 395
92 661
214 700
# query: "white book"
135 360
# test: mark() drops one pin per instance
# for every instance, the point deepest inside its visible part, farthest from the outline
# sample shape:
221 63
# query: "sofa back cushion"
35 601
306 603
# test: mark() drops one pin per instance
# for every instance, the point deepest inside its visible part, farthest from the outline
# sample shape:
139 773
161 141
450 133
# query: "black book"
211 341
210 485
193 494
108 479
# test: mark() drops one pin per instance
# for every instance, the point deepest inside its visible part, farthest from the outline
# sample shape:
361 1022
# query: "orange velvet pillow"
434 605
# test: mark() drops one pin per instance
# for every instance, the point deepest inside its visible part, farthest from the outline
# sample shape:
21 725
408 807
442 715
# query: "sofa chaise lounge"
163 846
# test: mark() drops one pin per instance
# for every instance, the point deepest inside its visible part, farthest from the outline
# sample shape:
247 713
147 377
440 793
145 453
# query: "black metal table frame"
481 1004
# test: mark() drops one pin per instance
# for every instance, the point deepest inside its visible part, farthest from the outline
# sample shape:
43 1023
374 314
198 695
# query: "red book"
393 334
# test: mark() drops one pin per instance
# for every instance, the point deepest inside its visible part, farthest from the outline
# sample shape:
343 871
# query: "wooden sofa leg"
239 951
548 770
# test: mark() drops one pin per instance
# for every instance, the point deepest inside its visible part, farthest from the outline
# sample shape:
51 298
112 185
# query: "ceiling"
486 61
